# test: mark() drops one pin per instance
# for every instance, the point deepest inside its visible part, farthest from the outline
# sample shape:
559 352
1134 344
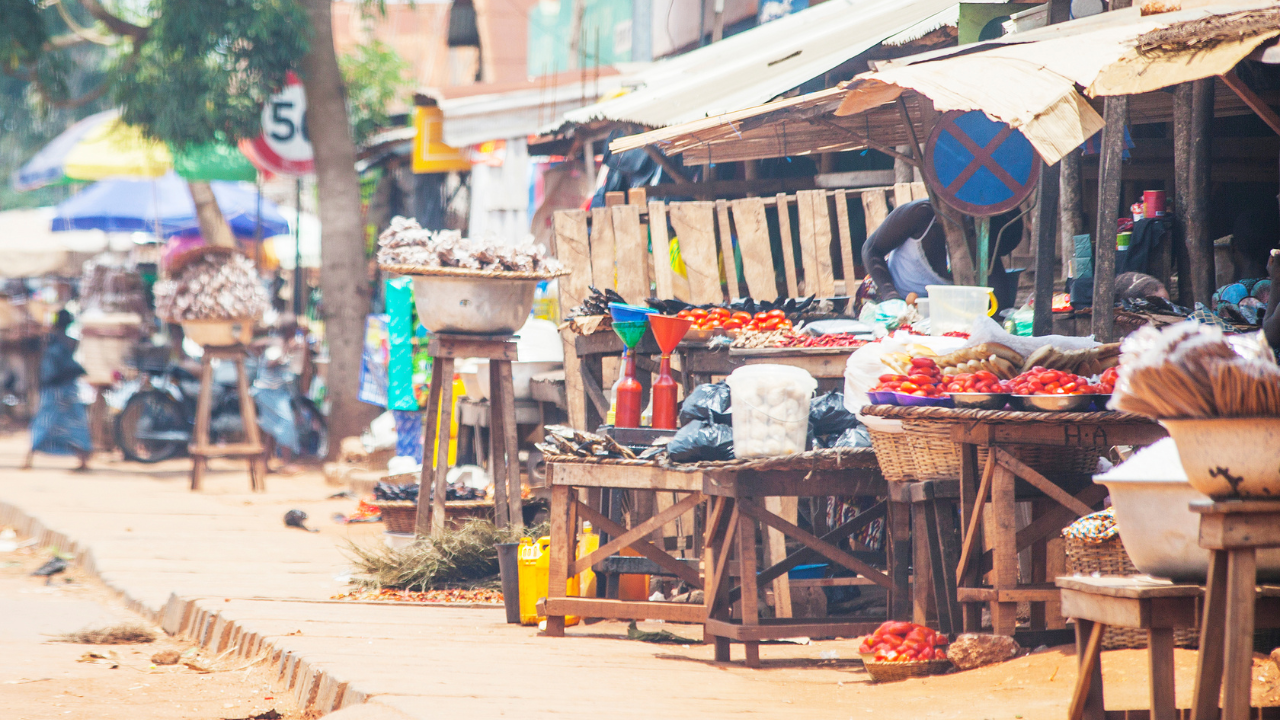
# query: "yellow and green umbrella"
103 146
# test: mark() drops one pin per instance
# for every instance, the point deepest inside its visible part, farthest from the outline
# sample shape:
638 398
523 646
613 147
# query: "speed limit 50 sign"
284 146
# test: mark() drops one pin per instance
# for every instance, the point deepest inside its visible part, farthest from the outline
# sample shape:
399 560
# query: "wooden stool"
1233 532
251 449
504 461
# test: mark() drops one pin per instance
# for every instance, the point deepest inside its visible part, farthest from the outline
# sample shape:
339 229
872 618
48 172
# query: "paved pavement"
220 567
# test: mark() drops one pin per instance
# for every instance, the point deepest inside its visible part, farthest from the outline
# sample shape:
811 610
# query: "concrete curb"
314 689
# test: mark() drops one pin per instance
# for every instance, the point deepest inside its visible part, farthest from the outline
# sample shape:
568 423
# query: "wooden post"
1070 203
1192 111
1104 249
1046 249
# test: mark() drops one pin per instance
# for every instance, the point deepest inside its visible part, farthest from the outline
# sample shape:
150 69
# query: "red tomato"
777 314
743 317
732 324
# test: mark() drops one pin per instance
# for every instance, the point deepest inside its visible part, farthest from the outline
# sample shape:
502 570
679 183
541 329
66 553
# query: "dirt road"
41 679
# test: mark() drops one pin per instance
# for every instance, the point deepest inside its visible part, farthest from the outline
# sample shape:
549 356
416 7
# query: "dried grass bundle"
461 558
1191 371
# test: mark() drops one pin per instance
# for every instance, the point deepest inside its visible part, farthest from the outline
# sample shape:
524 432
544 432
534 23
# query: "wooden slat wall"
753 241
602 248
788 245
694 224
628 246
631 253
730 276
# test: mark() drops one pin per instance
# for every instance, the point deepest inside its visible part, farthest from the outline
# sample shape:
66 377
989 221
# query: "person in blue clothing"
61 425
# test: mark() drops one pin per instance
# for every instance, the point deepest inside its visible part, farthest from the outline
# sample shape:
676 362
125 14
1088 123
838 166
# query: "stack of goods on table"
991 376
743 323
765 413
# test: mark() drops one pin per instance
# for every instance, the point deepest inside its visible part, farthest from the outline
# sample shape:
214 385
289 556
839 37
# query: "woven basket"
894 671
1110 558
399 516
895 455
936 457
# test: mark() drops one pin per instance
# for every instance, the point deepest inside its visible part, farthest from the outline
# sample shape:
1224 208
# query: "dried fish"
405 242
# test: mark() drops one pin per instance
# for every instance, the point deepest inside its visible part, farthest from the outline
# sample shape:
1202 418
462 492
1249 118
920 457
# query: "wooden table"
1003 481
1158 607
1233 531
733 494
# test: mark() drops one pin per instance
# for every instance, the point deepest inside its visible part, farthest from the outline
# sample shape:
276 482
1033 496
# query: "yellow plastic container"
459 391
588 542
535 573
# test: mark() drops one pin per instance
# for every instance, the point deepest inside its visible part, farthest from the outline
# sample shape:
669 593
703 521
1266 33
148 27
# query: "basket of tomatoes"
899 650
923 386
720 318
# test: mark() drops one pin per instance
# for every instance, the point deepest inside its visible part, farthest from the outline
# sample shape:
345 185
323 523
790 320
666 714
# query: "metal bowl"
1054 403
473 305
981 401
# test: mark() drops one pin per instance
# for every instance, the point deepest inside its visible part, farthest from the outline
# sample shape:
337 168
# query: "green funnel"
631 332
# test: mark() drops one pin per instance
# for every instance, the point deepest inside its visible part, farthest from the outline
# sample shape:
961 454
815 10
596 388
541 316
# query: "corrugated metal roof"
760 64
1030 80
518 113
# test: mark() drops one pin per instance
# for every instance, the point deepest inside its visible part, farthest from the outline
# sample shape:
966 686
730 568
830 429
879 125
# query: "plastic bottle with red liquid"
627 414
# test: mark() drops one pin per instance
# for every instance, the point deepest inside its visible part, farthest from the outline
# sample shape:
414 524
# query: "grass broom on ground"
464 557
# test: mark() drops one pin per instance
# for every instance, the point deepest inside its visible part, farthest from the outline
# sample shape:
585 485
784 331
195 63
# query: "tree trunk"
213 226
344 290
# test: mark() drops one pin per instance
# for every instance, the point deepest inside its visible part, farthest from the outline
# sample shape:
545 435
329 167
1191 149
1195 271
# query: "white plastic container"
770 409
955 307
1151 499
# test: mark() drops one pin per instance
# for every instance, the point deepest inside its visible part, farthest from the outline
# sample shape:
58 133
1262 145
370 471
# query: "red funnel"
669 331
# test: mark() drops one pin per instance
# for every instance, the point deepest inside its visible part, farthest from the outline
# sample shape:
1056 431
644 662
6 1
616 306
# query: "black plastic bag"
709 402
829 416
700 440
855 437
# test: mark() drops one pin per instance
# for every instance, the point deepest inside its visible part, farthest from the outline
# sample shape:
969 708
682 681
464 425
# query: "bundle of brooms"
463 557
1189 370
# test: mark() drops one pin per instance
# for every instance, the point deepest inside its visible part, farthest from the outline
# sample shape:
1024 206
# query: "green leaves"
374 74
207 66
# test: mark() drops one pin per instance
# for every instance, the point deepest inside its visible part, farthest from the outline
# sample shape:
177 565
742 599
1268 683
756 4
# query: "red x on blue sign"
980 166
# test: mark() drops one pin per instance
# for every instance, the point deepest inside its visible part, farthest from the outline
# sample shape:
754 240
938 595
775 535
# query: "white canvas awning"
762 63
30 248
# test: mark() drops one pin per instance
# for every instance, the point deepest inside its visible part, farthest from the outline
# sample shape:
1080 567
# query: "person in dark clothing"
909 251
61 425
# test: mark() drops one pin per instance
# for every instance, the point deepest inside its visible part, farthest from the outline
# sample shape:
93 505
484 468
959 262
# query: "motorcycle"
157 411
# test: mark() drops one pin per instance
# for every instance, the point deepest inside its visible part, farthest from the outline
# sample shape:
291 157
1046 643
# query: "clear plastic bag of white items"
770 409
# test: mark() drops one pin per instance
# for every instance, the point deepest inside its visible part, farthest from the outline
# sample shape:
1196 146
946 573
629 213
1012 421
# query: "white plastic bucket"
955 307
770 409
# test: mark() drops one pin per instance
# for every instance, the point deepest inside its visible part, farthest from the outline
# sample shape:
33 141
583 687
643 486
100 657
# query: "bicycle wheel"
152 427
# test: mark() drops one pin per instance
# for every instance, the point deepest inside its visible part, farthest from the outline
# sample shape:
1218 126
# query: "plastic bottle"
627 414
